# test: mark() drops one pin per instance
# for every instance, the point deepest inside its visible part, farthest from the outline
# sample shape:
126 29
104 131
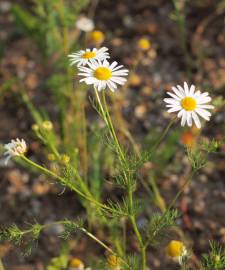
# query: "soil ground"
25 197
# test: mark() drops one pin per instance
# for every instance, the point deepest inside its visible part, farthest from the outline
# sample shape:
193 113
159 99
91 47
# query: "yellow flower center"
76 263
144 44
88 55
103 73
113 262
47 125
188 103
97 36
19 148
175 249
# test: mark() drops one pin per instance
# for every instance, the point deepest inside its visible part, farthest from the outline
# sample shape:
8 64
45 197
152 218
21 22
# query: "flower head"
114 263
96 37
188 138
76 264
189 104
85 24
103 74
144 44
15 148
35 127
51 157
65 159
176 250
84 57
47 125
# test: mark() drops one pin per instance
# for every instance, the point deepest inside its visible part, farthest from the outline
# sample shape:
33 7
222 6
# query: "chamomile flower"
113 262
96 37
15 148
47 125
177 251
76 264
85 24
84 57
144 44
103 75
189 104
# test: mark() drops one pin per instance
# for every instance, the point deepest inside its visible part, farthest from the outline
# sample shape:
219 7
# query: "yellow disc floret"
47 125
35 127
113 262
189 103
103 73
96 36
144 44
175 249
88 55
77 264
65 159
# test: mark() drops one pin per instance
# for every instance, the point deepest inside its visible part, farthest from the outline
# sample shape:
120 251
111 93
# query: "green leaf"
26 22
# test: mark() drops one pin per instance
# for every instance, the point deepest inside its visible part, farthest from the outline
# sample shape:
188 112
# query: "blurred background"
162 43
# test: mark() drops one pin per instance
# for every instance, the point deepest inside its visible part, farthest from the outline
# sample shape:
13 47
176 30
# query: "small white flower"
85 24
83 57
189 104
103 74
15 148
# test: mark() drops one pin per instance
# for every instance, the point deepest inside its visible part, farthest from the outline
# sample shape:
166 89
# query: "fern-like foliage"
30 236
71 227
159 224
215 260
133 262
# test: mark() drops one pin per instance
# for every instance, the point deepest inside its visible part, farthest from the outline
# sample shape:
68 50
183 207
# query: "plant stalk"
1 265
63 181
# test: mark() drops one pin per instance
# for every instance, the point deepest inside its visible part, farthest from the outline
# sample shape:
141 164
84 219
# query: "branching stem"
64 182
106 117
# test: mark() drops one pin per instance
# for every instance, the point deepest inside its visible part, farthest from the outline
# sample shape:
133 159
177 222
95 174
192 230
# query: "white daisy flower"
85 24
15 148
103 74
83 57
189 104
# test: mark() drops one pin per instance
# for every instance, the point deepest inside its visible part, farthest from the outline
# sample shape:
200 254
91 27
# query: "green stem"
181 20
165 131
121 154
64 182
82 229
1 265
158 198
97 240
106 116
171 204
136 231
